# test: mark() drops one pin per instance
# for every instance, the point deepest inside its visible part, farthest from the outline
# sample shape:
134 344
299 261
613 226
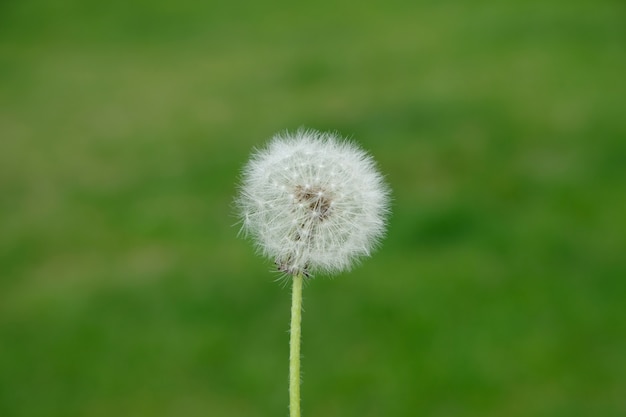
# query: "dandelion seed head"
313 202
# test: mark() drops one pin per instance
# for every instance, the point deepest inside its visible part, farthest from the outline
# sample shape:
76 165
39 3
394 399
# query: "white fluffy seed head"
313 202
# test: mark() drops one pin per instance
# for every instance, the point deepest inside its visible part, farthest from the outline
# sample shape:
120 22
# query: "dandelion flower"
313 202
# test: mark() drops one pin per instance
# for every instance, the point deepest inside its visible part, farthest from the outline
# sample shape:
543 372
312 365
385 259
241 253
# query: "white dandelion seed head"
313 202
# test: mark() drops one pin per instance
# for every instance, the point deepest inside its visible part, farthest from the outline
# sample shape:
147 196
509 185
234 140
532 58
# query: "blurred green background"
500 289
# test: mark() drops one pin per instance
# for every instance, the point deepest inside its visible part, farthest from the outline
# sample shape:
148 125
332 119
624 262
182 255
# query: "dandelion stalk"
294 347
313 203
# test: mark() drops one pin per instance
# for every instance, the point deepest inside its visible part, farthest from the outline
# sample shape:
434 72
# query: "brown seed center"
316 200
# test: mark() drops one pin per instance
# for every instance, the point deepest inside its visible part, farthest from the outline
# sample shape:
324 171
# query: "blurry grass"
500 288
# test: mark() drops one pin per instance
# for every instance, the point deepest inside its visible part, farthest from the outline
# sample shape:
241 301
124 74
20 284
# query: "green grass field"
500 289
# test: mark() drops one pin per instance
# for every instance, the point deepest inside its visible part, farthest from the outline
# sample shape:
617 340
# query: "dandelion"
312 202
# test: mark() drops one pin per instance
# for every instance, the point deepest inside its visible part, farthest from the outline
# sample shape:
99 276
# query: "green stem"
294 347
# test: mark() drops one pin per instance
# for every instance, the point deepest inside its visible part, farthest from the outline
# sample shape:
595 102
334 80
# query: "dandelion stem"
294 347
